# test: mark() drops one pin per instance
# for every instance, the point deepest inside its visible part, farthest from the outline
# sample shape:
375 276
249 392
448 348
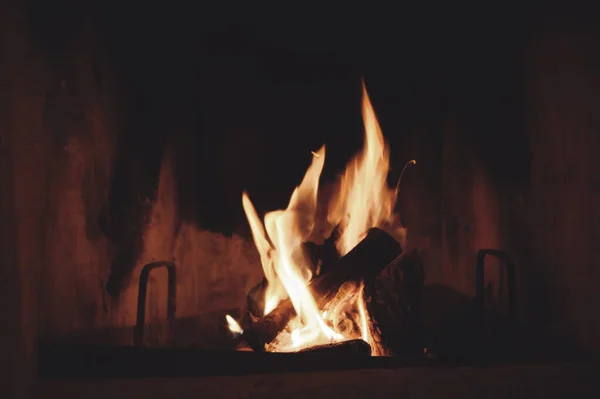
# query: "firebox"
341 290
198 203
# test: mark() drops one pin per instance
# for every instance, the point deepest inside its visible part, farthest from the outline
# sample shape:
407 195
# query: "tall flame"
363 200
283 260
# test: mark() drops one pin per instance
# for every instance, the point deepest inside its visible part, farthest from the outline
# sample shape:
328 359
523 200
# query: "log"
255 302
363 262
266 329
350 347
328 254
394 305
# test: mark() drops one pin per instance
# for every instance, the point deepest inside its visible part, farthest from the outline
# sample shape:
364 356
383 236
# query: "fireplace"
234 202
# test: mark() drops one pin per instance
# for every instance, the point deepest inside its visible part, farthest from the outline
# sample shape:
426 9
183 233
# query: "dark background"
244 94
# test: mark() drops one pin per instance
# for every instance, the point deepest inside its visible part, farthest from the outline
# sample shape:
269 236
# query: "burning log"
350 347
255 300
311 254
363 262
393 300
328 253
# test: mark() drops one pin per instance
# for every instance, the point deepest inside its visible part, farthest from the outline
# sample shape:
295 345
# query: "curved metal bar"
480 281
138 337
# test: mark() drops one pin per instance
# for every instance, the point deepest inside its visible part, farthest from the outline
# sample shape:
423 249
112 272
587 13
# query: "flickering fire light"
362 200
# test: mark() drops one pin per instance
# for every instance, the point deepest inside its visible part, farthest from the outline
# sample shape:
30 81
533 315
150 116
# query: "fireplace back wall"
121 148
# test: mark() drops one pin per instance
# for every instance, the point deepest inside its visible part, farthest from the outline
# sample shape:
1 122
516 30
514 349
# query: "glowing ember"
363 200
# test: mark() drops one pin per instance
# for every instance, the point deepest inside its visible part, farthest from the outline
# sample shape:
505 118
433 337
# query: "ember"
308 300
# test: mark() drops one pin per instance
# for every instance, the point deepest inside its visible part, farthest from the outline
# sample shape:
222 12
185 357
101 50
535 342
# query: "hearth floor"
567 380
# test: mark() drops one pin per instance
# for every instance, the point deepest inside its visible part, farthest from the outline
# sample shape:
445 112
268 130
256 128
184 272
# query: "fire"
233 325
363 200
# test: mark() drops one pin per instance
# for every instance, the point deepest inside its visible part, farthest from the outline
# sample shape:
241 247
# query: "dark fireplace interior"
128 134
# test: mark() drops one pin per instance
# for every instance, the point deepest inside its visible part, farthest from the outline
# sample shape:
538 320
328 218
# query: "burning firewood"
350 347
363 262
313 296
393 301
255 300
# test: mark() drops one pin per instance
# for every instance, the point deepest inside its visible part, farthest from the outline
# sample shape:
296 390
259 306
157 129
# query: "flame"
233 325
363 200
286 269
275 291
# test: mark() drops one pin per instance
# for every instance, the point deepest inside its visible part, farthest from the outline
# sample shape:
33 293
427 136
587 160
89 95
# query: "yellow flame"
363 200
286 269
362 311
275 291
233 325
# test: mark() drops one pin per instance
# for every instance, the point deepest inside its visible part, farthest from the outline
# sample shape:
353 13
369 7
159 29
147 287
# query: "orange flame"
363 200
283 261
233 325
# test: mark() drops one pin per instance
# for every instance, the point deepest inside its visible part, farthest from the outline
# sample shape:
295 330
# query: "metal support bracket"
138 337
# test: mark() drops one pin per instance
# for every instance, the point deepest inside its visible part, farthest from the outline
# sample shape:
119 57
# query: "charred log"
363 262
255 300
265 329
328 254
351 347
394 304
